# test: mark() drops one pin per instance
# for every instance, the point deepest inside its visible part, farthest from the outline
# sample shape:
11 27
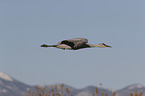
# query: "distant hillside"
11 87
131 88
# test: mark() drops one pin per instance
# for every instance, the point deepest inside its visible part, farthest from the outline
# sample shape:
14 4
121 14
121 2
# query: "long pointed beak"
107 45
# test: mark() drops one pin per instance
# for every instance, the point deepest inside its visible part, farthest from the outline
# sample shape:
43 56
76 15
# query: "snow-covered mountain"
90 90
131 88
5 77
12 87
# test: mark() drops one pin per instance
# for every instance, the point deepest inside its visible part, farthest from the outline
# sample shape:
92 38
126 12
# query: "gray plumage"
75 44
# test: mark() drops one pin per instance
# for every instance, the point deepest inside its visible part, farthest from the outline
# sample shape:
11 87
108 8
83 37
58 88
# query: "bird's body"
75 44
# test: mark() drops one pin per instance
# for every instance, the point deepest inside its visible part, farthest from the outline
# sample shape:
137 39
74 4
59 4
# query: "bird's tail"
44 45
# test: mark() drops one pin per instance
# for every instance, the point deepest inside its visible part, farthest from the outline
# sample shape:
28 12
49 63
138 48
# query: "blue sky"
27 24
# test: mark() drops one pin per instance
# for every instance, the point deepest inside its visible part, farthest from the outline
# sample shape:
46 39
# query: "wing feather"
71 44
76 43
76 40
80 45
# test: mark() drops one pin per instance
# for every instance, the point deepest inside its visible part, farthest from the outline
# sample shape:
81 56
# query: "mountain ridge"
12 87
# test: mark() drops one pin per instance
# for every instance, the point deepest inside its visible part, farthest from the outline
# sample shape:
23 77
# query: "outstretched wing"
76 43
81 45
71 44
76 40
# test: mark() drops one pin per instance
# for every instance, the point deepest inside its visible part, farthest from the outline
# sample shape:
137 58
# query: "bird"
75 44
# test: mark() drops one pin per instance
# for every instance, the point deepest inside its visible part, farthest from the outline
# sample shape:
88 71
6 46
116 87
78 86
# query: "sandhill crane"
75 44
